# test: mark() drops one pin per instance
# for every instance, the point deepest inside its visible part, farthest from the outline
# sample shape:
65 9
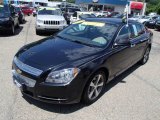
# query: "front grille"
27 68
50 22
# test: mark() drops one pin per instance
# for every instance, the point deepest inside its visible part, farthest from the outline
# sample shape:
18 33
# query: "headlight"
39 21
62 76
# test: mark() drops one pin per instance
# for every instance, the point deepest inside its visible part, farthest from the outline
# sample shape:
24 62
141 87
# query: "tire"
38 32
94 88
18 24
12 30
145 58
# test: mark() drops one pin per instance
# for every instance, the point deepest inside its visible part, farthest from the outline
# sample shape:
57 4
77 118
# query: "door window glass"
140 29
124 34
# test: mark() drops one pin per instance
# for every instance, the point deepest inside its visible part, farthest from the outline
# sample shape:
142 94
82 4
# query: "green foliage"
153 6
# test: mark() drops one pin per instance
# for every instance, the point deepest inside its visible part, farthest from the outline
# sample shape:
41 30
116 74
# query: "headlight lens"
62 76
39 21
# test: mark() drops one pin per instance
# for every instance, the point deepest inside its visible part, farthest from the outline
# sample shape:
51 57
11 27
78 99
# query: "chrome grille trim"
51 22
27 68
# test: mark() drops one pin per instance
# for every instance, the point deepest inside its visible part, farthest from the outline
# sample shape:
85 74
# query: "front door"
122 56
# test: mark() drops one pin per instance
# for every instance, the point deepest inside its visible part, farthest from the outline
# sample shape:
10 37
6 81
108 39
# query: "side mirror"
122 42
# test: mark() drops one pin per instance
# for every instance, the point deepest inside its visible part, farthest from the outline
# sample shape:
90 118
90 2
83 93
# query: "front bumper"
50 93
43 27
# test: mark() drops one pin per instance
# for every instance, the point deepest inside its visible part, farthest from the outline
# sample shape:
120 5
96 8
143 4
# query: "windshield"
96 34
49 12
4 12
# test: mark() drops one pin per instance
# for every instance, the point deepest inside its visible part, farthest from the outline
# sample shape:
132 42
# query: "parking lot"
134 95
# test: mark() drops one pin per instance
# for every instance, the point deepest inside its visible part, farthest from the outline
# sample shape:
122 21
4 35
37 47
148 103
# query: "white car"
102 13
137 17
49 19
145 19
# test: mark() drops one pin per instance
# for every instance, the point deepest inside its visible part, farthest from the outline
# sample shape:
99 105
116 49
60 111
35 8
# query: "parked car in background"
76 64
157 25
49 19
70 11
35 11
102 14
145 19
21 14
81 16
27 10
113 14
8 19
137 17
151 23
152 14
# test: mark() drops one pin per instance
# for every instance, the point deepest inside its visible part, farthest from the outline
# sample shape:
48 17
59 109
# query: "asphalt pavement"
134 95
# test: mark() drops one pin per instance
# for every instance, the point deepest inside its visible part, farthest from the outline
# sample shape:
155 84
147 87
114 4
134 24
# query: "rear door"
138 40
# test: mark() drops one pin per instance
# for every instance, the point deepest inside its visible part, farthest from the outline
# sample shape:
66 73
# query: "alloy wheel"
95 87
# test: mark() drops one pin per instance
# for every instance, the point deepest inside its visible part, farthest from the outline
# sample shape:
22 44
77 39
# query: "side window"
134 31
140 29
124 34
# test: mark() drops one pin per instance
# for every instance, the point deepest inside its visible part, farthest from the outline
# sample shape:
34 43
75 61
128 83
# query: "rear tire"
94 88
145 58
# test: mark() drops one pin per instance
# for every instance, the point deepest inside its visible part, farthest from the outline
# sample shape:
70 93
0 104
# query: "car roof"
109 20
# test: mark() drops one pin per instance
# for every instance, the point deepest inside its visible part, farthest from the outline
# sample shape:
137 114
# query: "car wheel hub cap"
95 87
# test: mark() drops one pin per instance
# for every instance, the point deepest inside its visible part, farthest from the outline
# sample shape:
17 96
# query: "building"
105 5
1 1
137 7
113 6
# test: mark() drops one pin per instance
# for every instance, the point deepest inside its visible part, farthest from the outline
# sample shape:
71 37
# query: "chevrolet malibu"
77 63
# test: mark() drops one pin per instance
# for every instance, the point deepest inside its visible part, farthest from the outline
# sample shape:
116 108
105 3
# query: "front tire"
94 88
145 58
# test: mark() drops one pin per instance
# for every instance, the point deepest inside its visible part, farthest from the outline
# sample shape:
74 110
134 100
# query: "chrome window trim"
27 68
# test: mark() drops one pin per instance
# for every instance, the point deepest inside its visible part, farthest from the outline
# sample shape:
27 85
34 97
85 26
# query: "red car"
27 10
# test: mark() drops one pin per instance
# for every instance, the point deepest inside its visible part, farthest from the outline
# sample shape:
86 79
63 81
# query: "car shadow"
6 34
67 109
49 33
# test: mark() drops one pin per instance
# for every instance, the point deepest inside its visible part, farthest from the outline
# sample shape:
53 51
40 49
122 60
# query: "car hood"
55 52
50 17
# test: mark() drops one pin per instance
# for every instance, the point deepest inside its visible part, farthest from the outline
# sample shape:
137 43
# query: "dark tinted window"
140 29
124 34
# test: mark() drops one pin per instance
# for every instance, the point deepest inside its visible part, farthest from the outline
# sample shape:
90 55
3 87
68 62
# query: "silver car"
49 19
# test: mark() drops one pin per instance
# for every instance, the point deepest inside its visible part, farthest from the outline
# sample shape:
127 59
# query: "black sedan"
152 23
157 24
76 64
8 19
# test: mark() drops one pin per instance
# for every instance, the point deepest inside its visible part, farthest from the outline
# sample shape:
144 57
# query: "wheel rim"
95 87
146 55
